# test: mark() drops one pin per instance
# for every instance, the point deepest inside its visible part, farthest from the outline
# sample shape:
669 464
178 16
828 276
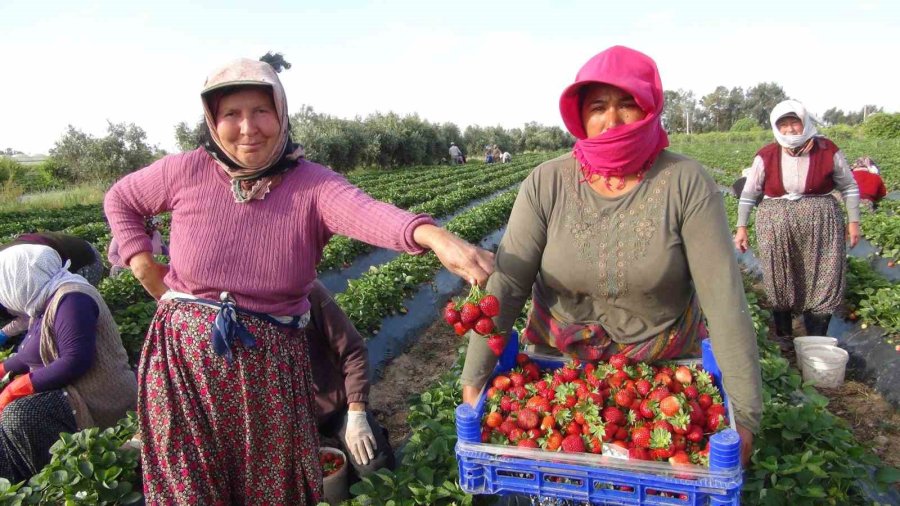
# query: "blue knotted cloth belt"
229 327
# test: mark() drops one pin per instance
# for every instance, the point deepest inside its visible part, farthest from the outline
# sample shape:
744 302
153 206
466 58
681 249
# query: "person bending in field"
340 367
69 373
158 247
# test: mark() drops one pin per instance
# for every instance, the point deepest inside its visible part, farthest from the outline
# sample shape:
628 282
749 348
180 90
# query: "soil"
412 373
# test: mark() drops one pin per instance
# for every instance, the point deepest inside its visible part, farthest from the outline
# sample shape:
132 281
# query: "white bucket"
803 341
336 486
824 365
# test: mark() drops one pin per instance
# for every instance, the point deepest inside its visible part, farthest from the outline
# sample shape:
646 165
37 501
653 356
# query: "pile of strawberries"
662 412
475 312
330 462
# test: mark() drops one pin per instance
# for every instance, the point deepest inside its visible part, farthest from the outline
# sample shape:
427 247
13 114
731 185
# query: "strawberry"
680 458
527 443
506 403
493 419
568 373
506 427
573 444
522 359
705 401
548 423
515 434
469 313
573 428
619 361
691 392
489 306
640 436
659 394
610 431
643 387
502 382
683 375
451 315
624 398
486 436
715 422
669 406
538 404
679 443
715 409
554 441
459 328
614 415
531 371
517 379
663 424
484 325
638 453
647 408
661 379
596 446
496 343
694 434
527 419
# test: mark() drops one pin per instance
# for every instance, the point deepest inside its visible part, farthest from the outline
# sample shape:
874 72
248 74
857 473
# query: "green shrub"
746 125
883 126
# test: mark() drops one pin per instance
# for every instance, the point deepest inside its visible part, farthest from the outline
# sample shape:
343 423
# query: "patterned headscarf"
29 275
249 183
625 149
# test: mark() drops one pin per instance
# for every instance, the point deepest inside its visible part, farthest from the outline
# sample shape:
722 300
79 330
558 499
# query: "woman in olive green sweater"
621 243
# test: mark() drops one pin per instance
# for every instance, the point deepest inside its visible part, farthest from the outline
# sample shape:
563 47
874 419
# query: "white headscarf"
29 275
793 108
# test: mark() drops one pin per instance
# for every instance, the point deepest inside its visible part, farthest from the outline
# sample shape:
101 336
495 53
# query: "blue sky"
83 63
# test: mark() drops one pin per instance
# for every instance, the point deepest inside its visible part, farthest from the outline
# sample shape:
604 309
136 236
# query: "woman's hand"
469 262
746 444
150 273
741 240
853 233
470 394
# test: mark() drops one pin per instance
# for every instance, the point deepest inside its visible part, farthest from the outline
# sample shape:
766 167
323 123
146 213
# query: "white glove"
359 438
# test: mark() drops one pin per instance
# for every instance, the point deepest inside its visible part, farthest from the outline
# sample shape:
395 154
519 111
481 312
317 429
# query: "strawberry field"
803 454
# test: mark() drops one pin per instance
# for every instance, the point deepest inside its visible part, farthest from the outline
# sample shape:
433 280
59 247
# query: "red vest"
819 178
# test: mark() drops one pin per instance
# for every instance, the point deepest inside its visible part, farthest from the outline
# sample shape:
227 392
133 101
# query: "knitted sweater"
264 252
103 395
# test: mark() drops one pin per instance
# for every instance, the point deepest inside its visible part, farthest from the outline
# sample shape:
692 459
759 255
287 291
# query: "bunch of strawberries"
662 412
475 312
330 462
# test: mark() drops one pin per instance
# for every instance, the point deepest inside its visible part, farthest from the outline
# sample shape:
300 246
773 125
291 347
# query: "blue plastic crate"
598 479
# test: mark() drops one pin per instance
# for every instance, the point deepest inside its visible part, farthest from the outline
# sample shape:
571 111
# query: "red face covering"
625 149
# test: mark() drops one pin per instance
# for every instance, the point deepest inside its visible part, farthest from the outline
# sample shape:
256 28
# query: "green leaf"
59 478
132 498
86 469
887 475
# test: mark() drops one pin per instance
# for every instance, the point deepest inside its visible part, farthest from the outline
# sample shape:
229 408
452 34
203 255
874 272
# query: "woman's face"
605 107
789 125
247 125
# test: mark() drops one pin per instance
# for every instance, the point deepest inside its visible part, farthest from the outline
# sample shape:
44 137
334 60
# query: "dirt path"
412 373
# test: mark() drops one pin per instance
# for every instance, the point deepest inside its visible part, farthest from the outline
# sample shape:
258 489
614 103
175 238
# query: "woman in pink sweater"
226 405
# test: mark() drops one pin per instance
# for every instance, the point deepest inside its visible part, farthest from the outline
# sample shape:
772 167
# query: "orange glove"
20 387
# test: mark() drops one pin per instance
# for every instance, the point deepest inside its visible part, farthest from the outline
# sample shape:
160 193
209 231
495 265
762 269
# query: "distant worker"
456 156
506 157
158 247
871 186
488 154
496 154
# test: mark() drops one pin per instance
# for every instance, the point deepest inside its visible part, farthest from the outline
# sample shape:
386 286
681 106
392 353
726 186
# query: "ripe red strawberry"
643 387
705 401
640 436
451 315
715 422
486 436
459 328
522 359
683 375
610 431
670 406
659 394
573 428
517 379
506 404
663 424
715 409
694 434
515 434
493 420
660 378
539 404
527 419
698 416
614 415
548 423
691 392
489 306
638 454
506 427
624 398
646 408
568 373
596 446
469 313
554 441
679 443
527 443
534 433
531 371
617 379
680 458
619 361
496 343
519 392
573 444
502 382
484 325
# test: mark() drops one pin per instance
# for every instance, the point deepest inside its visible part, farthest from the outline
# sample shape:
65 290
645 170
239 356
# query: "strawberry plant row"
381 291
871 298
882 229
340 251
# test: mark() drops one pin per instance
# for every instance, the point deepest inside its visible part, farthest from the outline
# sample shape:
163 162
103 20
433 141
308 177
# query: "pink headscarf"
626 149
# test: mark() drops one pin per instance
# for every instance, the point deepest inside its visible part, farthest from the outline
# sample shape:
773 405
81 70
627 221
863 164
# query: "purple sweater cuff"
412 247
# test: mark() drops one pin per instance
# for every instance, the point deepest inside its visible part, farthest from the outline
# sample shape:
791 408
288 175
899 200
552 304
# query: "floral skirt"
801 252
591 342
217 433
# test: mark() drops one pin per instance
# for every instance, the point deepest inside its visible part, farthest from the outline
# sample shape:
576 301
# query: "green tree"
761 99
189 138
123 150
